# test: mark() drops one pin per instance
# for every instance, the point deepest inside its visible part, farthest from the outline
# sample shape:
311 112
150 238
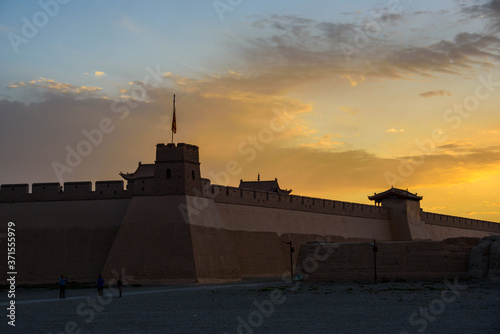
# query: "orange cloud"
392 130
57 87
433 93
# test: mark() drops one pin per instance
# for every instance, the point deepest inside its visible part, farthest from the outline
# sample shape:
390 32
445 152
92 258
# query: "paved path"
264 307
132 292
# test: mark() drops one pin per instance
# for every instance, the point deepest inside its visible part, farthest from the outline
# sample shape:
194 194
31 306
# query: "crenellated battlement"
460 222
53 191
13 192
180 152
233 195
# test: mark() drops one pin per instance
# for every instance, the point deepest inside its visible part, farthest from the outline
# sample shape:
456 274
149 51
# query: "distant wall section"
441 227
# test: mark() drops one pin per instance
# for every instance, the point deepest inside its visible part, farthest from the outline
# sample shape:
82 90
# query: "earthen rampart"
41 192
233 195
459 222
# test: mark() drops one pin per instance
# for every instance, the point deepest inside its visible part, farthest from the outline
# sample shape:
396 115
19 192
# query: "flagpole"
174 123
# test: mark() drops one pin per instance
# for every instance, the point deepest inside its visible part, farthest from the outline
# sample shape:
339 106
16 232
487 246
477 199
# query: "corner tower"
404 213
177 170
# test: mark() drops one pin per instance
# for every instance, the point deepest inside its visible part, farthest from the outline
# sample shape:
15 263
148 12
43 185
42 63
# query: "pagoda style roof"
395 193
143 171
268 186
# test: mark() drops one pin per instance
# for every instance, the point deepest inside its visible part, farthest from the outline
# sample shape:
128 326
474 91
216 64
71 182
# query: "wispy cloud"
325 142
53 86
97 74
455 163
489 10
490 203
354 80
475 213
312 48
127 23
348 109
433 93
458 56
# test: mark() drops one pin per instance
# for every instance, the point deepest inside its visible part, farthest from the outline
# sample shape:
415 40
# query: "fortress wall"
61 237
154 243
214 255
232 195
242 253
460 223
263 219
260 254
457 226
142 187
227 234
439 232
251 254
265 254
209 212
253 236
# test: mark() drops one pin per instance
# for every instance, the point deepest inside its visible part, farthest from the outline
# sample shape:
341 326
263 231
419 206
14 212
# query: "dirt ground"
263 307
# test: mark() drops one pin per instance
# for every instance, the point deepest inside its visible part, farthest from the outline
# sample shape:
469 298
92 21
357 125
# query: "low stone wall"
395 260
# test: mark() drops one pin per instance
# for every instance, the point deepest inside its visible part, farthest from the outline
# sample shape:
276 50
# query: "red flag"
174 123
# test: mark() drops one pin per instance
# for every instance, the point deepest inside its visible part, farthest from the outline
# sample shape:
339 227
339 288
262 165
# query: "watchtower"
404 213
177 170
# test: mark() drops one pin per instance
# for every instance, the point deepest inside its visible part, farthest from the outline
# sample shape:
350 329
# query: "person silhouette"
62 286
119 285
100 286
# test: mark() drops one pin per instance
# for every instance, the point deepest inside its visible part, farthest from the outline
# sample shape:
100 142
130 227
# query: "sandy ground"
263 307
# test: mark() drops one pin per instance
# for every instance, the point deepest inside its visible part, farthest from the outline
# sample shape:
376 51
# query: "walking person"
62 286
119 285
100 286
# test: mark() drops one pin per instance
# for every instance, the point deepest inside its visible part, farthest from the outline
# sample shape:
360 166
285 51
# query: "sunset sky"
337 99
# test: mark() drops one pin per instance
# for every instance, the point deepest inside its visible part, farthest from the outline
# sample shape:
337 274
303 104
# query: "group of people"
100 286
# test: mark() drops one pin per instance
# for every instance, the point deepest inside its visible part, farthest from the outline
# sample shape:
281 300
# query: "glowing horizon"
337 101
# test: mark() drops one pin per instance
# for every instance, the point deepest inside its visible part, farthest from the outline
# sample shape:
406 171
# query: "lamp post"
291 258
375 249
